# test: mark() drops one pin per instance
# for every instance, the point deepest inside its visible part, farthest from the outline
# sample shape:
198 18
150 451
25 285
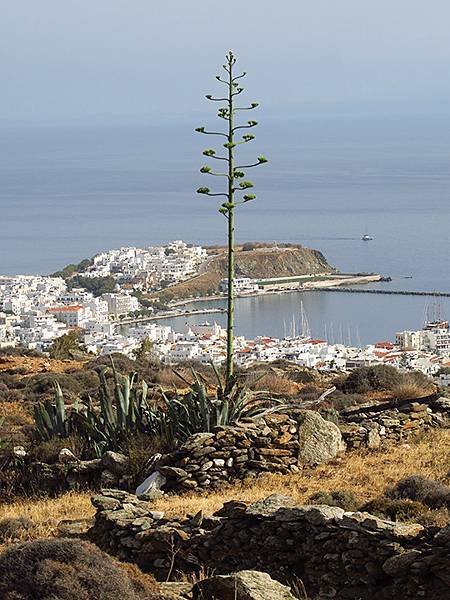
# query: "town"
36 310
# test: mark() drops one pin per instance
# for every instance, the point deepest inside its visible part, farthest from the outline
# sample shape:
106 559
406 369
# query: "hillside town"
36 310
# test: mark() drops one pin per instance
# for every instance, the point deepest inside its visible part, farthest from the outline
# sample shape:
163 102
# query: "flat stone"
173 473
115 462
269 506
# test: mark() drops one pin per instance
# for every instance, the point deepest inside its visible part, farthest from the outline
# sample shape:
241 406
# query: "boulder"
244 585
319 440
115 462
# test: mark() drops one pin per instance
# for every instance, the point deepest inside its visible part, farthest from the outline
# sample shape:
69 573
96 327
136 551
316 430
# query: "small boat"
366 237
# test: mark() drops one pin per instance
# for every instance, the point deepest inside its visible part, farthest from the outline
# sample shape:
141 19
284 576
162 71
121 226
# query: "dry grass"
46 513
366 474
30 365
274 383
410 391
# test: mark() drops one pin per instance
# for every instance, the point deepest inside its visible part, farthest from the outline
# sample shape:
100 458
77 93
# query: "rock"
66 456
75 527
320 440
108 479
244 585
443 536
268 506
174 473
176 589
105 502
373 439
115 462
151 487
231 509
400 563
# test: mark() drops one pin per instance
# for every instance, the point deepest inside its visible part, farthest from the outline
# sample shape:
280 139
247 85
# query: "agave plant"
197 411
50 418
124 411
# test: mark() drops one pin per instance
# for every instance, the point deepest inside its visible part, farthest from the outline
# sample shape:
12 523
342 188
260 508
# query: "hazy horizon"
116 59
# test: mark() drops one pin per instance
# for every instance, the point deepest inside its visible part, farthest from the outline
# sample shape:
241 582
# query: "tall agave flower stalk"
236 183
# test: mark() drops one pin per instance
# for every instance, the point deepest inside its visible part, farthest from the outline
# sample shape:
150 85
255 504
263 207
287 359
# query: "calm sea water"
68 191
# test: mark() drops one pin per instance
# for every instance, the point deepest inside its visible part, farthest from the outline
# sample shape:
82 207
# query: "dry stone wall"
279 443
335 553
284 443
387 423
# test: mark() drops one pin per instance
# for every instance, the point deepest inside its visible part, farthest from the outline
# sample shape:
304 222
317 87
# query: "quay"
347 290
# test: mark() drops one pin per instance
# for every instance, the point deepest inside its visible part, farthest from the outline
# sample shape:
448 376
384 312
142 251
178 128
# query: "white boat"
366 237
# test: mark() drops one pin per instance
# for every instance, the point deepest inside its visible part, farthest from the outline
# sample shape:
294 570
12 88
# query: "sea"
71 189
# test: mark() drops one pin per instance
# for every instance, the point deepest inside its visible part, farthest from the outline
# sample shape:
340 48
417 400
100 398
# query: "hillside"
264 262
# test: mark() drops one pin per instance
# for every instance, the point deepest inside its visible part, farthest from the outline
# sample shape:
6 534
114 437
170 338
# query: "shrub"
342 498
66 569
429 492
374 378
414 385
15 528
395 509
339 401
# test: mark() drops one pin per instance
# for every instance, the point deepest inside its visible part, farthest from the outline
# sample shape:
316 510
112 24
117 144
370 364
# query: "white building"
72 316
242 285
120 304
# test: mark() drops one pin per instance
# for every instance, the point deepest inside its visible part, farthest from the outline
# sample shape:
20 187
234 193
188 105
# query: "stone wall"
283 443
391 422
278 442
336 554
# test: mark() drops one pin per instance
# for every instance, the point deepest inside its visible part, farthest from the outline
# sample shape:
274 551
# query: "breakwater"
372 291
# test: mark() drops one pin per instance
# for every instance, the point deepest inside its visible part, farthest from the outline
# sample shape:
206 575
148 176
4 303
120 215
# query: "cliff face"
261 263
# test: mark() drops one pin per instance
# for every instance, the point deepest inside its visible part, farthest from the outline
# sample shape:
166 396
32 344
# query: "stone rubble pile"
336 554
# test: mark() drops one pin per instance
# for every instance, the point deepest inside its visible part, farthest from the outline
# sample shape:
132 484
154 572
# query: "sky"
65 59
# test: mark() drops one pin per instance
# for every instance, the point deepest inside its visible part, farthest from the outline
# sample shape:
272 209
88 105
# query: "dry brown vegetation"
71 570
28 365
366 474
47 513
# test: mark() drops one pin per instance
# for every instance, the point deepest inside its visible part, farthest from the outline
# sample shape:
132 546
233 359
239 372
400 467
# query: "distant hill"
261 262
